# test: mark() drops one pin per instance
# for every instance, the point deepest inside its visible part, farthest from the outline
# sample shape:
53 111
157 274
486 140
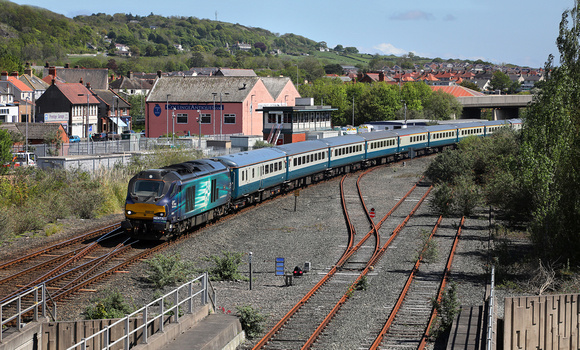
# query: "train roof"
411 131
375 135
343 140
241 159
496 122
470 125
442 127
302 147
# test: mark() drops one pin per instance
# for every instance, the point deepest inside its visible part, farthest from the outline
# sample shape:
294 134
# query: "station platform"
214 332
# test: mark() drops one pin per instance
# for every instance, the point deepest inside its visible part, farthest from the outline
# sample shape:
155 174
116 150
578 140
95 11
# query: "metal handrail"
39 293
150 317
490 311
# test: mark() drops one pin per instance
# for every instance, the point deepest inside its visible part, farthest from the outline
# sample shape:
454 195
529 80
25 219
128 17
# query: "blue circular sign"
157 110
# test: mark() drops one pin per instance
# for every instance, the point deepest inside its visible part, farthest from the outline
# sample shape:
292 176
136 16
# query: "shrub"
362 284
447 309
111 305
168 270
251 320
442 201
226 267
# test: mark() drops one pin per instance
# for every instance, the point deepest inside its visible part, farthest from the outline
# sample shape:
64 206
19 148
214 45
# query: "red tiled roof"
457 91
18 84
73 90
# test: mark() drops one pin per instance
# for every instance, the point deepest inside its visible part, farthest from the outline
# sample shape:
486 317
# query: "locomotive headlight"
160 214
130 212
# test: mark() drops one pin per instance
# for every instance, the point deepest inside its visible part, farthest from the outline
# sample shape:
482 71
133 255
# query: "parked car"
74 138
99 136
113 136
128 132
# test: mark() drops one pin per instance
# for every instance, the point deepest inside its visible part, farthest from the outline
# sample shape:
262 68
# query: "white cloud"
389 49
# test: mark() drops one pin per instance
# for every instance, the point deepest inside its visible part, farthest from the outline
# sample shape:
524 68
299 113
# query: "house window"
229 118
181 118
206 118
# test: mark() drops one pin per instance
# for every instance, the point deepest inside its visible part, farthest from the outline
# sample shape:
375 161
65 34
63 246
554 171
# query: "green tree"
442 106
470 85
5 149
312 68
551 149
500 82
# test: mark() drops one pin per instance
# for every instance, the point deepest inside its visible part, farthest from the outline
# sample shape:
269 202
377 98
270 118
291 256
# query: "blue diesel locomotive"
168 201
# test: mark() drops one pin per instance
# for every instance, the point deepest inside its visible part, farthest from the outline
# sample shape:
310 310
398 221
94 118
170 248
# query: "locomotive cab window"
148 188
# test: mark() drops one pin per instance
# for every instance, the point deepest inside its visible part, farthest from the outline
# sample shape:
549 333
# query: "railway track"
404 318
306 321
70 267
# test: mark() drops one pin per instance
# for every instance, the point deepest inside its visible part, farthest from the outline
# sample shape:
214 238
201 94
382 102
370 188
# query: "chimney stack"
159 73
14 74
52 71
67 65
4 75
130 75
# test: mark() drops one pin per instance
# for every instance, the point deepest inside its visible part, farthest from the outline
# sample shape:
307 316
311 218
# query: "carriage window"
315 156
295 161
243 176
253 173
312 158
275 166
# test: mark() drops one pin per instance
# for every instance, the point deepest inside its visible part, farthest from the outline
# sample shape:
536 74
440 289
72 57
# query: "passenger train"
169 201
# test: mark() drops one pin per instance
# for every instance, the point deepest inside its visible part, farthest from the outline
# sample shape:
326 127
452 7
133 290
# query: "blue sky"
510 31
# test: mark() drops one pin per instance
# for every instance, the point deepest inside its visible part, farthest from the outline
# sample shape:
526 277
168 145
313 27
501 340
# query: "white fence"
181 301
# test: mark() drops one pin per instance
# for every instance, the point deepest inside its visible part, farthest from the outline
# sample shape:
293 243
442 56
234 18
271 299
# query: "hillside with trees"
36 35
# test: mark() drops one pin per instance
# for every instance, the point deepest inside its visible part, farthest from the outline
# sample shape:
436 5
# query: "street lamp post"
167 114
87 117
199 123
117 113
173 130
222 112
405 104
214 94
353 110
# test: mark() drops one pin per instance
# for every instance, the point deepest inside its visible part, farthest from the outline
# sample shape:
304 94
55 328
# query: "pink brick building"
225 105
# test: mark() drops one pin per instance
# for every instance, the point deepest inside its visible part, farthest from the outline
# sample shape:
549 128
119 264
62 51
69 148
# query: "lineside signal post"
296 194
372 213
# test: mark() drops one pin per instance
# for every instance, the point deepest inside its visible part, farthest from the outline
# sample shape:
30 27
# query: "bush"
168 270
226 267
442 201
447 309
111 305
251 320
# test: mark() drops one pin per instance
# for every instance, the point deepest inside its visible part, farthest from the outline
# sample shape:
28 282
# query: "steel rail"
444 281
312 339
329 275
68 242
404 292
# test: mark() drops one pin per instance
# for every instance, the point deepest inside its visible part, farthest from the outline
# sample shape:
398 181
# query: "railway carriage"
515 124
170 200
494 125
413 139
306 160
346 152
442 136
380 146
470 129
253 172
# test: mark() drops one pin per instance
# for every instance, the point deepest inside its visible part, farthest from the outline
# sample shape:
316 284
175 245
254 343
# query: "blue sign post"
280 271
